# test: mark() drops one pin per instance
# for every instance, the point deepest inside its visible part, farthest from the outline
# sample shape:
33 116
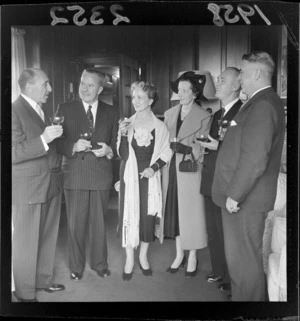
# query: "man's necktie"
222 113
40 112
90 117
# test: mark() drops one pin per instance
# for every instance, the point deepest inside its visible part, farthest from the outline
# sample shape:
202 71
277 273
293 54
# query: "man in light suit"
37 184
246 174
88 173
227 90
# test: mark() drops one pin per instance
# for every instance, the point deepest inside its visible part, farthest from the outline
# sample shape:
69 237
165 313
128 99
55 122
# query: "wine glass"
203 138
87 136
57 119
125 122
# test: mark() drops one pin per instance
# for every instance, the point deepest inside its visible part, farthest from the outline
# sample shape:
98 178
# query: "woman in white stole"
143 145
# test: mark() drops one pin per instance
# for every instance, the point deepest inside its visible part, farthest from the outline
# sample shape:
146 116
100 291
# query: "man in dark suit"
227 90
37 185
246 174
87 170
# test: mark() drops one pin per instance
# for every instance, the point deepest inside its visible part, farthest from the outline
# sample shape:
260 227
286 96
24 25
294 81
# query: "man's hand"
81 145
147 173
103 150
212 145
52 132
232 205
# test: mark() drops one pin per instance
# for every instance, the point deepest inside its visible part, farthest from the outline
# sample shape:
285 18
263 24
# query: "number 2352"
95 14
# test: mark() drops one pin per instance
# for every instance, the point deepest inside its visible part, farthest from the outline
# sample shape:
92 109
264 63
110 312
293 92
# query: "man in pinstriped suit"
37 184
88 174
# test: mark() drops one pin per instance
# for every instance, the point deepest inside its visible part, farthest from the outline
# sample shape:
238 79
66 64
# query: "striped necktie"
90 117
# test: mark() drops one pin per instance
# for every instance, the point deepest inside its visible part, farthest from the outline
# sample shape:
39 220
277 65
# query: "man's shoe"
52 288
224 287
18 299
75 276
214 279
104 273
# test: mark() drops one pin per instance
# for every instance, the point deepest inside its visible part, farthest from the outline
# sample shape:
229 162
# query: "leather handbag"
189 165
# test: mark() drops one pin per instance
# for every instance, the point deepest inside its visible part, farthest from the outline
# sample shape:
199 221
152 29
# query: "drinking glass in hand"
203 138
57 120
87 136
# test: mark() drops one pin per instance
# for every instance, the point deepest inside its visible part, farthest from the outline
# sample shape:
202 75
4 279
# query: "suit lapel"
33 114
191 122
255 97
173 121
81 116
233 110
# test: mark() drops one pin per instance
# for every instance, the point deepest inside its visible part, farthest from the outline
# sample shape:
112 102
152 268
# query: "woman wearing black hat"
184 216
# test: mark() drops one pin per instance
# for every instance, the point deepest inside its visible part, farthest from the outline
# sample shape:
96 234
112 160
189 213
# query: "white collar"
94 106
30 101
259 90
228 106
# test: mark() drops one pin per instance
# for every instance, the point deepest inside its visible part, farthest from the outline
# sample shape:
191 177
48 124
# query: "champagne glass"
203 138
57 120
125 122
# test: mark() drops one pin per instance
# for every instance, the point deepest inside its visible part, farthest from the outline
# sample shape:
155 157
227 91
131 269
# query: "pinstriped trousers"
34 244
87 209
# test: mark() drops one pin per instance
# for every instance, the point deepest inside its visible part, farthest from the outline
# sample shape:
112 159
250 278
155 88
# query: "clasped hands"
82 145
181 148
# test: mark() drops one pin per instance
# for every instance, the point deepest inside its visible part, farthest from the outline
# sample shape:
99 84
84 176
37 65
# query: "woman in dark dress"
143 145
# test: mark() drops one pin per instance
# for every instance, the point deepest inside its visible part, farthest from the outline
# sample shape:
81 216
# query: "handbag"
189 165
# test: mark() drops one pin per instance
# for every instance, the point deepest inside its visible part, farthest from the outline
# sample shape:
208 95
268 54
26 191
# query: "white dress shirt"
93 110
39 111
228 106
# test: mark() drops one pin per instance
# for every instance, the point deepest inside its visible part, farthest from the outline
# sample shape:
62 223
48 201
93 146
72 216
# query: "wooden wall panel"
160 43
237 43
210 48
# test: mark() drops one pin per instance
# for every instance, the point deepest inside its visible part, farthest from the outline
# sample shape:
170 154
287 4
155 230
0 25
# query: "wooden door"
129 72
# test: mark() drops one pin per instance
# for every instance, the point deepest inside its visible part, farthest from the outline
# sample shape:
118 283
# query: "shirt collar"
30 101
94 106
228 106
260 90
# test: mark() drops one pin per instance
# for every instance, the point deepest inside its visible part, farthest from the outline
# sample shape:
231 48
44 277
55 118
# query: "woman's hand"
212 144
123 126
181 148
147 173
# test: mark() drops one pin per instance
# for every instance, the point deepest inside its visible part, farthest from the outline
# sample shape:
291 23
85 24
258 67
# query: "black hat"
196 79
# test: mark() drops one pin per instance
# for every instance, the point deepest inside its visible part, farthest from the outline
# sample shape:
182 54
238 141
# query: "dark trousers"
216 239
87 209
34 244
243 235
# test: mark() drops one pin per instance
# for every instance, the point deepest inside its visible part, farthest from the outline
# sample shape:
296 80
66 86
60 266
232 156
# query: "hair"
150 89
96 72
27 76
262 58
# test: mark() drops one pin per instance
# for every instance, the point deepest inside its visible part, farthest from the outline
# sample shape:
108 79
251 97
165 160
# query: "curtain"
18 60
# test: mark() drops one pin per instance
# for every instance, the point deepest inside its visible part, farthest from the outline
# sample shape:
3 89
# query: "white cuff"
44 143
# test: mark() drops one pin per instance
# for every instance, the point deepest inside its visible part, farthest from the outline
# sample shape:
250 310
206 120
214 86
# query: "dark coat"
84 170
209 162
248 162
36 173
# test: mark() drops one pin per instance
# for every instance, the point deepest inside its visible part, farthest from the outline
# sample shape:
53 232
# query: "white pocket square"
233 123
